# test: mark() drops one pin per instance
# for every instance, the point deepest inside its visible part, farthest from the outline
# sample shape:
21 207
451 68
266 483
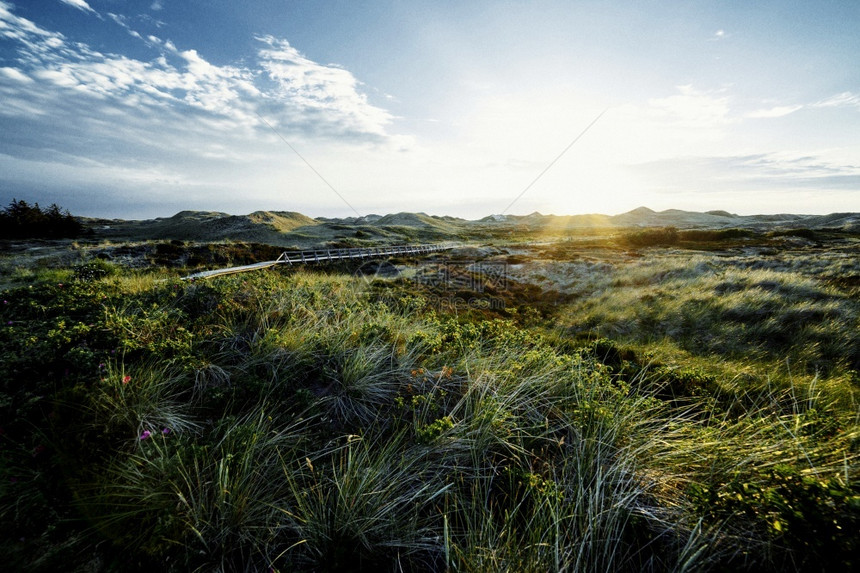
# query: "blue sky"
142 108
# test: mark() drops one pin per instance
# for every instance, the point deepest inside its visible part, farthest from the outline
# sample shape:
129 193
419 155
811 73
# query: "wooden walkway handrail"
323 255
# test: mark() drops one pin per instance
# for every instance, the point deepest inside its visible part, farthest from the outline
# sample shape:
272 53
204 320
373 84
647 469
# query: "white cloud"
119 19
62 77
16 75
297 94
718 36
692 108
690 118
79 4
123 21
844 99
319 91
197 65
157 5
16 28
778 111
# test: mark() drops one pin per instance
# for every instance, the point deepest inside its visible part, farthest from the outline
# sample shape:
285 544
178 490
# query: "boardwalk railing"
325 255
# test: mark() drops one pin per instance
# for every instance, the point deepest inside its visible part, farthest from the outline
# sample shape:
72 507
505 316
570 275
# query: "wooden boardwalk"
325 255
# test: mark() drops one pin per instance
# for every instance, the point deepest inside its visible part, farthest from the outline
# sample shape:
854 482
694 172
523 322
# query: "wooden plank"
317 256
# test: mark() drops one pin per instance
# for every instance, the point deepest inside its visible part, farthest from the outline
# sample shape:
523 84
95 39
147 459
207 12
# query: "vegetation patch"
20 220
681 413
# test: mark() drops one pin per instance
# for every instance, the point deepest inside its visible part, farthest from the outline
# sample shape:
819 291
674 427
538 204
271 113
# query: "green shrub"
817 518
714 235
94 270
651 237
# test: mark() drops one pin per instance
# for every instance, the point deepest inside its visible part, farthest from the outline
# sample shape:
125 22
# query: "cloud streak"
79 4
754 172
773 112
844 99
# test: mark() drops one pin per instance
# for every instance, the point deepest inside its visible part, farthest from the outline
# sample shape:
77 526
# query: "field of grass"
681 411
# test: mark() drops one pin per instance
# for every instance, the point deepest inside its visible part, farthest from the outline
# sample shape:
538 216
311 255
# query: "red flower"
126 379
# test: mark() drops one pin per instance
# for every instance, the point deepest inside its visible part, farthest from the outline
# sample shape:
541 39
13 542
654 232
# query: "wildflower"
166 431
145 435
126 379
101 365
9 323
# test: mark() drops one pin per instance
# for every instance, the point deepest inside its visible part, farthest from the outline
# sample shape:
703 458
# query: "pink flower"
145 435
165 431
126 379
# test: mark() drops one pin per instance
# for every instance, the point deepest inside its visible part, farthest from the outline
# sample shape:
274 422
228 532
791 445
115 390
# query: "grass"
707 306
314 421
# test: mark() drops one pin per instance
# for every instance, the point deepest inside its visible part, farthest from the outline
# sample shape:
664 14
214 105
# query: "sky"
142 108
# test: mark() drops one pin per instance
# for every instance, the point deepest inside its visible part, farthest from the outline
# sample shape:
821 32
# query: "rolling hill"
287 228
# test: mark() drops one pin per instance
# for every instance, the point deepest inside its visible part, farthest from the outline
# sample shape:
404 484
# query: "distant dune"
422 221
289 228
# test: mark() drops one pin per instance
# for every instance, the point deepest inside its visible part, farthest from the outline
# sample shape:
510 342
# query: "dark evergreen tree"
21 220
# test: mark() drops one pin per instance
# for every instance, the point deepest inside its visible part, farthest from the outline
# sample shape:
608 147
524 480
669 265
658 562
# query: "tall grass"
768 316
758 365
368 503
308 422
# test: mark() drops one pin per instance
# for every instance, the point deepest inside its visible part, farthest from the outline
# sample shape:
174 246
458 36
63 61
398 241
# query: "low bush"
651 237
